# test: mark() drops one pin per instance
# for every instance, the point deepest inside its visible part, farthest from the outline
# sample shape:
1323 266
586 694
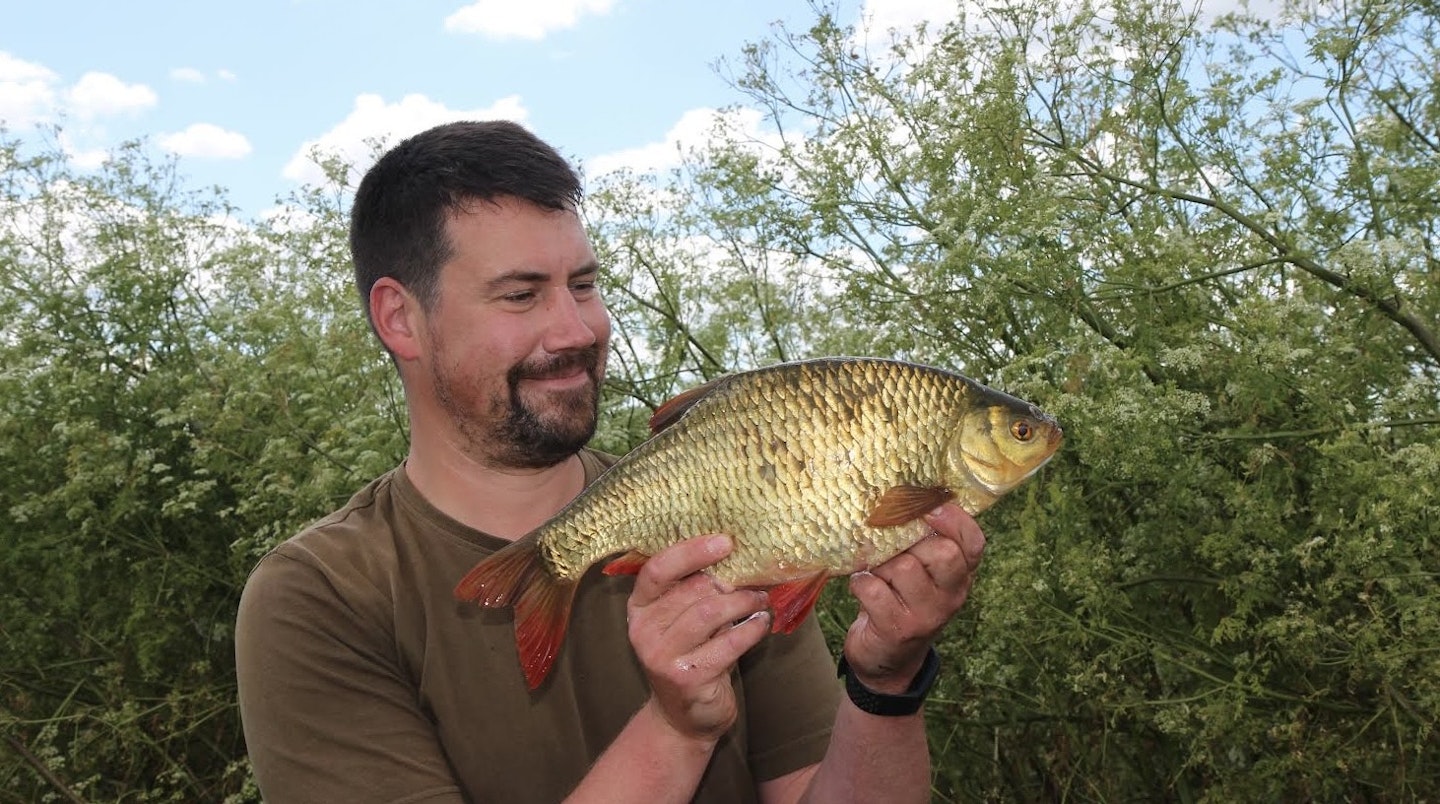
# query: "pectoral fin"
903 504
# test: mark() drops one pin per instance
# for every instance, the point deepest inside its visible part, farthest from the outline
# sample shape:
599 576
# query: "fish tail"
541 616
514 576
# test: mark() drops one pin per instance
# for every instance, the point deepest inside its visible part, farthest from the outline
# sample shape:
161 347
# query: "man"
361 679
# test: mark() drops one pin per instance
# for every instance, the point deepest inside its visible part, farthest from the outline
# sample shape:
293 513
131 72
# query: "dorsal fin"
671 411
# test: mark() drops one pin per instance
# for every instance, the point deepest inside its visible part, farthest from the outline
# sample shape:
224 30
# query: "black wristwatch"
878 703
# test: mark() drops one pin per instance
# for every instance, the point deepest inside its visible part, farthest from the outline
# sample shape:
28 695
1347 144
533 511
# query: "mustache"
558 365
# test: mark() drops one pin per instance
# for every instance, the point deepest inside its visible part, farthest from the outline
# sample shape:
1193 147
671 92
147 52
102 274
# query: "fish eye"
1022 430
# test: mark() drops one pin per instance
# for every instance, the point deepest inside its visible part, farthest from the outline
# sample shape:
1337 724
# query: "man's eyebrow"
523 277
585 270
517 278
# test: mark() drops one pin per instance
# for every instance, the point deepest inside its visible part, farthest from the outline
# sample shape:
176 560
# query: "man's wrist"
906 702
697 741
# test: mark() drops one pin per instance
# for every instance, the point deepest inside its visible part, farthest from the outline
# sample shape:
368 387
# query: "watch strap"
887 705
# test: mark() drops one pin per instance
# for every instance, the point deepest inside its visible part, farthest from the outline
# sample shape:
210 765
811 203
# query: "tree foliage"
177 393
1211 250
1209 246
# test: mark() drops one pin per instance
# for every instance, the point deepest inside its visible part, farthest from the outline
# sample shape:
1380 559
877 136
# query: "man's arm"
688 632
327 716
905 603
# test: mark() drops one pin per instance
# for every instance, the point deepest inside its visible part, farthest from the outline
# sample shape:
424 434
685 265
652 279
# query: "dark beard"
528 441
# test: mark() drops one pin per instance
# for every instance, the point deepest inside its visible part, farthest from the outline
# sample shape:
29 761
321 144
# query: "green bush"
1210 251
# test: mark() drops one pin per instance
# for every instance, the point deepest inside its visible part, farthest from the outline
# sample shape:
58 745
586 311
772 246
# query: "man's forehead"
478 237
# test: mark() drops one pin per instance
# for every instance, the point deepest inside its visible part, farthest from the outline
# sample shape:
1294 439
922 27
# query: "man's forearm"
648 761
873 758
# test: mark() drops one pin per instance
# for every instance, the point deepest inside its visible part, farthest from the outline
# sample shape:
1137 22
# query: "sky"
241 92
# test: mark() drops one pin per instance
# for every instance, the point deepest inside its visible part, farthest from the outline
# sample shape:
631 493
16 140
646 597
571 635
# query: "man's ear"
398 318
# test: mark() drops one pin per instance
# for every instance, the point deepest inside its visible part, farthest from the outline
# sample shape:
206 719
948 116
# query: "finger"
878 598
667 567
904 597
943 561
881 641
714 614
718 654
952 522
655 618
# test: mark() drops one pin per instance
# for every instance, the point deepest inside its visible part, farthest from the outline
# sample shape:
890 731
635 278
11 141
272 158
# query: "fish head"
1002 442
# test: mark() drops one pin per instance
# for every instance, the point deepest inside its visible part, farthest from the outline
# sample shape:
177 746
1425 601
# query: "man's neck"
503 502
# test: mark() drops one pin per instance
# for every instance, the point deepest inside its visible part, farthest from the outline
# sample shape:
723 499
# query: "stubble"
513 429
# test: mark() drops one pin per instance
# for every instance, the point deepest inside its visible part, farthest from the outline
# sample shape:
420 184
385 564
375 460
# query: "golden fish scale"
788 462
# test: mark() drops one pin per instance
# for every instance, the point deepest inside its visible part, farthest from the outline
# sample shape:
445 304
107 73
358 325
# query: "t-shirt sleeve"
328 715
791 696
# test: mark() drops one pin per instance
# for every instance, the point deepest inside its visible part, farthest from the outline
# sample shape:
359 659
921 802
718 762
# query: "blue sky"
239 92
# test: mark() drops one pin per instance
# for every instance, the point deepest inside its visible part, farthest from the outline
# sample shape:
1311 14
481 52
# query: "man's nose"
566 326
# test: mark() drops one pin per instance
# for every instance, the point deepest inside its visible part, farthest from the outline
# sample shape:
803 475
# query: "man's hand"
688 631
905 602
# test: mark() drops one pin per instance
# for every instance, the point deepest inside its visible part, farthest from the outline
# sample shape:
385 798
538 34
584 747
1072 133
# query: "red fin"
499 578
671 411
628 564
514 576
793 601
541 615
906 503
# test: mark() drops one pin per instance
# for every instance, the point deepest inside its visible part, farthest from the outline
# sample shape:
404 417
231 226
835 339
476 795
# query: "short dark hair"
397 222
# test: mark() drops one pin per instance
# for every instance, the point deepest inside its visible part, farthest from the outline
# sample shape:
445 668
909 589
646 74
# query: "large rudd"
815 469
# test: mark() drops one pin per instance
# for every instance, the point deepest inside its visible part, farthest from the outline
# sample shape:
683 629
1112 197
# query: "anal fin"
793 601
628 564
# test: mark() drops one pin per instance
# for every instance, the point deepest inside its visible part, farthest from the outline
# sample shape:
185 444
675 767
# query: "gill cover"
1000 445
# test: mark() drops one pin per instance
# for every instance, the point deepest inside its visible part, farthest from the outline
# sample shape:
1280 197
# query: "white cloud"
80 156
21 71
694 128
102 94
373 121
32 94
206 141
27 92
190 75
187 75
533 20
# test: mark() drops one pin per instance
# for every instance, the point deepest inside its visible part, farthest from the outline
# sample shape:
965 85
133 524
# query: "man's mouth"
558 379
560 373
563 370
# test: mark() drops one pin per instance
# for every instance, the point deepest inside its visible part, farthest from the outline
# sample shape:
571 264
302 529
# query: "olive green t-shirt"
362 679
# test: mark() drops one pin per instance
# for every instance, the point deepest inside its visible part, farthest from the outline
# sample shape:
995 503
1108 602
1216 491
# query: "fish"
814 468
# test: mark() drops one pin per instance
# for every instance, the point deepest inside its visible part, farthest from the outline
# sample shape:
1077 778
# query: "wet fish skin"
815 469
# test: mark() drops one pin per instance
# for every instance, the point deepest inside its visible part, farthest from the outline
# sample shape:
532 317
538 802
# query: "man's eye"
520 296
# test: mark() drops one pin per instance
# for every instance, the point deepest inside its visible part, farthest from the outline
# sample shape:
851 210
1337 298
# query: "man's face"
518 335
